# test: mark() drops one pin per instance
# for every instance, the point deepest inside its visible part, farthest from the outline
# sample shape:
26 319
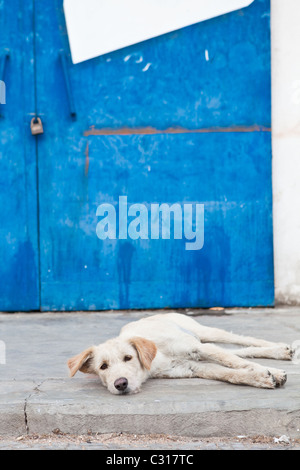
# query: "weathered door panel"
233 268
19 276
181 118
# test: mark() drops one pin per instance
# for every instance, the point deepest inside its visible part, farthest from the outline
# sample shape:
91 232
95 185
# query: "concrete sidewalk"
36 395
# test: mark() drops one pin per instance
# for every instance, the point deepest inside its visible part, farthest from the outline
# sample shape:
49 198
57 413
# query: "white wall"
285 24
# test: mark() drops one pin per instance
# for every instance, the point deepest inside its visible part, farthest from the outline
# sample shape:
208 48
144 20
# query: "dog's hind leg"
216 335
208 334
284 353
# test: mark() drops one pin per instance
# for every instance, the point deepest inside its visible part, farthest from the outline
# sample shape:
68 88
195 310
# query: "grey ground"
40 407
111 442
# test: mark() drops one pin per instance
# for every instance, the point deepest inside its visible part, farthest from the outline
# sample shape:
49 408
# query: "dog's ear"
82 362
146 350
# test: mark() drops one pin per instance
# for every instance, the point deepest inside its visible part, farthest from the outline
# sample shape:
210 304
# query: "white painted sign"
96 27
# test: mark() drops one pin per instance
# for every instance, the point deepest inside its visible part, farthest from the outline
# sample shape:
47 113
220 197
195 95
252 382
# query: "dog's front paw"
279 376
265 380
268 378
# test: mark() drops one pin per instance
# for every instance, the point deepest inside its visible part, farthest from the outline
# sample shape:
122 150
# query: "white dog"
176 346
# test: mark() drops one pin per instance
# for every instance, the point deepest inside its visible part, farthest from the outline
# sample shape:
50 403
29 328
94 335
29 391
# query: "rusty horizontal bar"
172 130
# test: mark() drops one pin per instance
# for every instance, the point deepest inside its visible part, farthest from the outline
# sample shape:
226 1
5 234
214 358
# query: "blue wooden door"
180 119
183 118
19 273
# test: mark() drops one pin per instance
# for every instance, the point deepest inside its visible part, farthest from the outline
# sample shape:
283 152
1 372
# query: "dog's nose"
121 384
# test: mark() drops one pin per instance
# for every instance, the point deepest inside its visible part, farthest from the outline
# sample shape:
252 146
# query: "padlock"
36 126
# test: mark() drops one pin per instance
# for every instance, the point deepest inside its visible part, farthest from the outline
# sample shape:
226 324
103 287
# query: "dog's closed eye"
127 358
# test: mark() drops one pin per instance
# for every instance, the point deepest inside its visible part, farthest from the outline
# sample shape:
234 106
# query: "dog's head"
122 365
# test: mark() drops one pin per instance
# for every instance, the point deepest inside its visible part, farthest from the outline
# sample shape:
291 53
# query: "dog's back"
162 329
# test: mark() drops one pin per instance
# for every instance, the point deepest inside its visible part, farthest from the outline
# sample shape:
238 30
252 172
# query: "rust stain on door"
171 130
87 160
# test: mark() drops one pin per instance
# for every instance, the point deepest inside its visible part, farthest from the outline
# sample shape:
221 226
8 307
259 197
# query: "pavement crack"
35 390
25 417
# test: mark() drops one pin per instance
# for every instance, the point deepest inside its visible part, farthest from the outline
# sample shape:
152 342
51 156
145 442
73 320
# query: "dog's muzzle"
121 384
